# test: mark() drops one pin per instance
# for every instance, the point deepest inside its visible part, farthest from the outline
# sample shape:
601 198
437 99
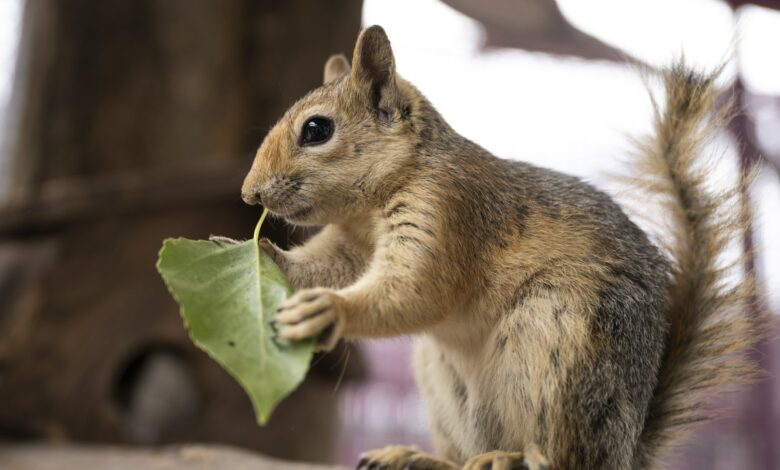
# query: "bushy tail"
714 321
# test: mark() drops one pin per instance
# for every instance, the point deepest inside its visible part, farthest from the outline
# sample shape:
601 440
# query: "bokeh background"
123 122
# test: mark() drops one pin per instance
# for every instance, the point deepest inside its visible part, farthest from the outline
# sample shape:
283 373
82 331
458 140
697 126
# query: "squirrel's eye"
316 130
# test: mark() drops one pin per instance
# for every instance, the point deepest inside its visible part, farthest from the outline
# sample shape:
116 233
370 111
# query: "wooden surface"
190 457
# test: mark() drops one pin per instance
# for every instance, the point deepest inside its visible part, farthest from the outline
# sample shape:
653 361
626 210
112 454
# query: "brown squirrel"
552 333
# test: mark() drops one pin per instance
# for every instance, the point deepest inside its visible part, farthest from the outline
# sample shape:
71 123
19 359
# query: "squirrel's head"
340 149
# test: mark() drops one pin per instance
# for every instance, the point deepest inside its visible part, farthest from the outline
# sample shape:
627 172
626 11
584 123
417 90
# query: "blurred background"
123 122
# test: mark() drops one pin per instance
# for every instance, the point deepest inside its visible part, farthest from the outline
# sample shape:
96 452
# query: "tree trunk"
137 120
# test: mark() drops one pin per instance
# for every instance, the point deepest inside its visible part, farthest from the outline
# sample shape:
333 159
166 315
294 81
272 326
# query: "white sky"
10 11
759 52
9 35
656 31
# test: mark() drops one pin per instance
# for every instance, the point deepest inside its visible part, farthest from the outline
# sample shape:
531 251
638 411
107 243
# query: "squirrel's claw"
401 458
223 240
312 313
531 459
270 249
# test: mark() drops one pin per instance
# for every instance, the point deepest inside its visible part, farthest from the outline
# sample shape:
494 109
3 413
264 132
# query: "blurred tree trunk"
117 85
137 120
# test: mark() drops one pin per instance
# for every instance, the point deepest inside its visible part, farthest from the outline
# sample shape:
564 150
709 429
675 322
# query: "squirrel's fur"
552 332
713 324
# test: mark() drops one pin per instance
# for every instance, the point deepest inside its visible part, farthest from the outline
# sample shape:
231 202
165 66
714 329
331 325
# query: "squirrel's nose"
251 197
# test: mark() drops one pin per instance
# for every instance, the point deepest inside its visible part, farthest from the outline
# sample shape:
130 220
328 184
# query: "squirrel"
551 332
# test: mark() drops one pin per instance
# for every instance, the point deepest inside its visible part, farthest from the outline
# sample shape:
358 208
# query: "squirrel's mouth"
298 214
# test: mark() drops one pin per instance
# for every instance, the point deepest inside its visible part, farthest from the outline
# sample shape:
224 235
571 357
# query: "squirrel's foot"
312 313
531 459
402 458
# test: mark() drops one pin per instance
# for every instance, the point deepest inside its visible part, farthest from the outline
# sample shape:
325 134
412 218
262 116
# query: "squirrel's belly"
506 393
470 413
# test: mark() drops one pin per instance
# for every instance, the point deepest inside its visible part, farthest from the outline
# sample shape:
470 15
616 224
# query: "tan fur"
542 313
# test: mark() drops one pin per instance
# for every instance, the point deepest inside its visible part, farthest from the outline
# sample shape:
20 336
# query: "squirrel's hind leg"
402 458
531 459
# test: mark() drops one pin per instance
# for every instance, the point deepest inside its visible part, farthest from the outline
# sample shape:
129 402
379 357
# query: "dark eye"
316 130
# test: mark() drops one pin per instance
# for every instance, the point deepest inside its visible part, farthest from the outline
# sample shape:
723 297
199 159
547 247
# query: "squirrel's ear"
336 67
373 64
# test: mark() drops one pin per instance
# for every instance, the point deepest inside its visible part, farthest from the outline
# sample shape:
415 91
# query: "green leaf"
227 294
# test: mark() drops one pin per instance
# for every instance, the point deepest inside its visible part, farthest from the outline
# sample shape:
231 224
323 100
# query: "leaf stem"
258 267
256 236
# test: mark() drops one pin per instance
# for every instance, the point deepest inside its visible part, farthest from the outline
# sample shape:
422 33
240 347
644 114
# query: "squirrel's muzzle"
251 197
277 193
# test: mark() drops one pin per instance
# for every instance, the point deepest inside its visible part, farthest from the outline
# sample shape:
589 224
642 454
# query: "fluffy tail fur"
713 321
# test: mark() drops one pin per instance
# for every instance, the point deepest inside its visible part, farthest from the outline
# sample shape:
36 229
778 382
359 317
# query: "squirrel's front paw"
402 458
273 251
312 313
223 240
531 459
